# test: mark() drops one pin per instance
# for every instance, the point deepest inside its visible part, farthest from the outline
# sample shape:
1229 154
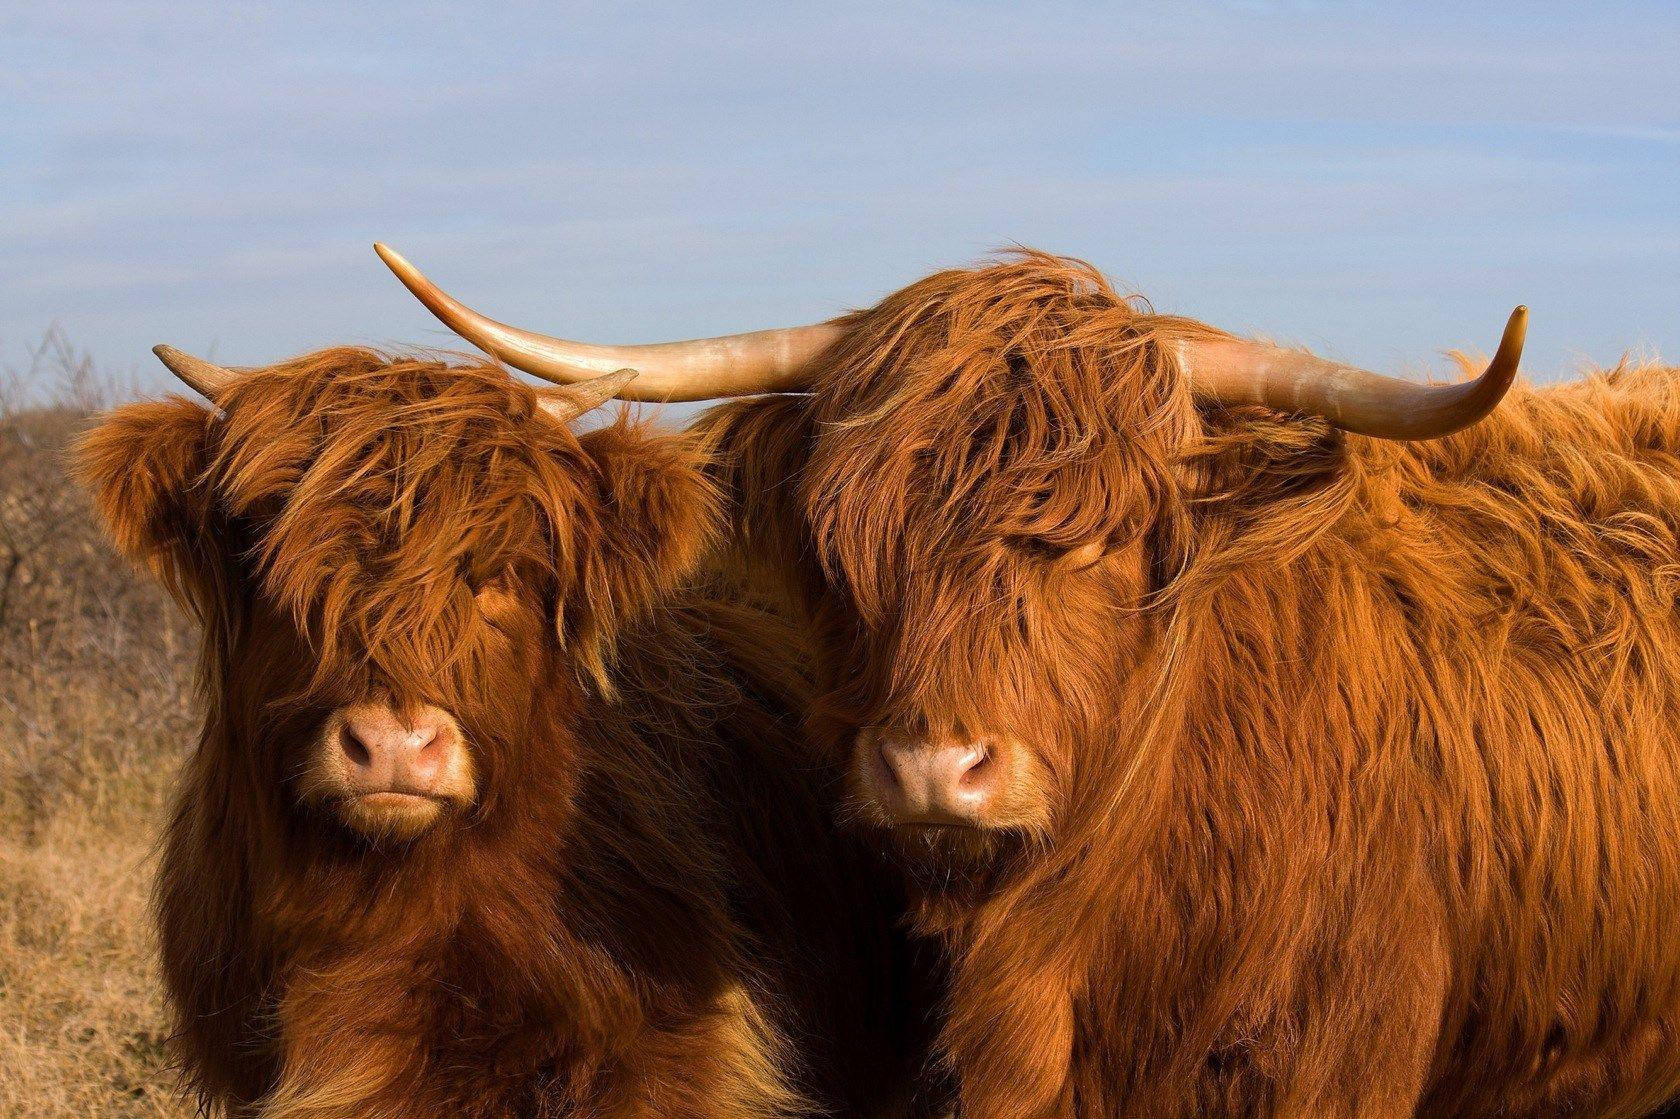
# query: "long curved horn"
203 377
568 403
1235 371
702 369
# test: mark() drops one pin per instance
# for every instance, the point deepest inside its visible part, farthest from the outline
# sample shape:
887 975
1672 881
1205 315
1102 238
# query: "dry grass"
80 1024
94 714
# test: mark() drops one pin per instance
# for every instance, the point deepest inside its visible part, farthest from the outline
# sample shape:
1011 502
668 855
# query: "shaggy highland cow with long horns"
493 814
1260 736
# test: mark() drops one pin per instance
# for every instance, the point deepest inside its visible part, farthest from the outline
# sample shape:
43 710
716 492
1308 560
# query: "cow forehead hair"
386 485
1024 399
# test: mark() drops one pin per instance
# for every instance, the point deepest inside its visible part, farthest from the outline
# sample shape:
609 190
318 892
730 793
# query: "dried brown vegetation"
95 711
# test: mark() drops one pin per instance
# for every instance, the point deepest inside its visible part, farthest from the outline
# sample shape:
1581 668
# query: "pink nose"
384 754
918 782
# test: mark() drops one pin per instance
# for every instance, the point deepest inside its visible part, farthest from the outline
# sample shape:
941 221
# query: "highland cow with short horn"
498 811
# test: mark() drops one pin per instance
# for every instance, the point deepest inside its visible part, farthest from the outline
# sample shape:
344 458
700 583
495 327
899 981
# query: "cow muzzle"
387 774
935 782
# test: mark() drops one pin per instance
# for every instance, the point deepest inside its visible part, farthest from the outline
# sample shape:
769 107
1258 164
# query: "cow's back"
1533 563
1430 737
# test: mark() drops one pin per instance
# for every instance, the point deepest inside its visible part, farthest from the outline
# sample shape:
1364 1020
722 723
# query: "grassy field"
95 711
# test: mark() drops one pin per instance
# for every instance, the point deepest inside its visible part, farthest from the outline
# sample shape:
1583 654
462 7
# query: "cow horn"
203 377
702 369
574 400
1235 371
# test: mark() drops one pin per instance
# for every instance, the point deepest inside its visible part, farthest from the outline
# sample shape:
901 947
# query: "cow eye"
1059 556
1077 559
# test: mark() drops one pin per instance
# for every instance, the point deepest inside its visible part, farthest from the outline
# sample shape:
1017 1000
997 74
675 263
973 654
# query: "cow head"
980 499
406 571
976 506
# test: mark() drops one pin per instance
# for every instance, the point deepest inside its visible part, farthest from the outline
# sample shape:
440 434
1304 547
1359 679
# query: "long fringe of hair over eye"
375 533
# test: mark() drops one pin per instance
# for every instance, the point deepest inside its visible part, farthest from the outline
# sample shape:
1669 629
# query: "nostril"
428 741
888 767
976 768
430 745
354 748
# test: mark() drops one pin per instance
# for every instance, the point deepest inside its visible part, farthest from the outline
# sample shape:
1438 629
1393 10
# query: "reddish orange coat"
644 914
1362 756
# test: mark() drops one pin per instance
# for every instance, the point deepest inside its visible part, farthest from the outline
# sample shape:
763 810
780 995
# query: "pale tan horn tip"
1516 333
568 403
399 264
464 321
601 389
203 377
1502 370
1463 405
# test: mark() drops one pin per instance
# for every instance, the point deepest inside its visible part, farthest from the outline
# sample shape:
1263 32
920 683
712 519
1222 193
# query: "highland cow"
497 810
1260 736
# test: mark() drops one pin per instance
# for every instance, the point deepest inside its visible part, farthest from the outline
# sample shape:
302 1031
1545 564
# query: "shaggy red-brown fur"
644 913
1360 757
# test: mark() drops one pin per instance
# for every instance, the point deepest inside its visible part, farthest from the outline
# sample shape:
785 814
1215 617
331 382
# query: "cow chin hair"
952 870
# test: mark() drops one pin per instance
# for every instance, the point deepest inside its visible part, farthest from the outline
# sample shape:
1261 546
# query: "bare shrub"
95 715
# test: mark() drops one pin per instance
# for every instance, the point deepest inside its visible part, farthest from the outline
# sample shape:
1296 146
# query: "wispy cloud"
1382 179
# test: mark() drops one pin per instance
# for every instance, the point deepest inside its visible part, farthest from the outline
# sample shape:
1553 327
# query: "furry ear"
659 519
143 465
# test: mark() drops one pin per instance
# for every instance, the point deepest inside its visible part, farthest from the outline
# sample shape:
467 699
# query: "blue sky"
1379 181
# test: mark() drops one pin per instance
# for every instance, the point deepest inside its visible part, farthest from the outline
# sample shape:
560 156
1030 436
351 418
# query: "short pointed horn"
203 377
568 404
1235 371
702 369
